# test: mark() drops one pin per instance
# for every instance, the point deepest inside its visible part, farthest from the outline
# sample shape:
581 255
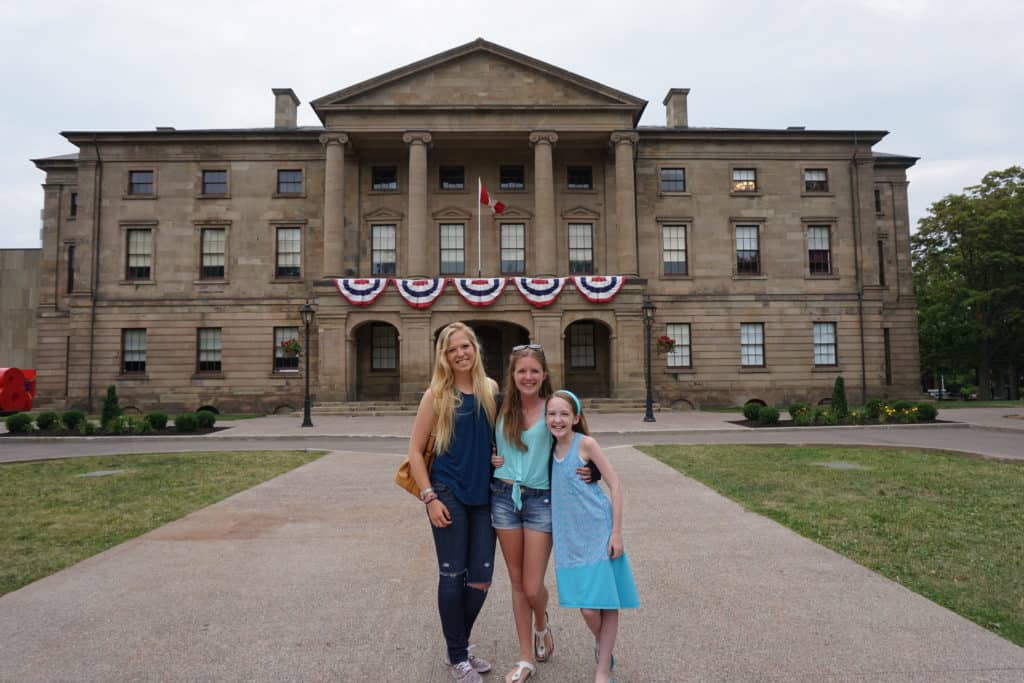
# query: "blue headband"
579 408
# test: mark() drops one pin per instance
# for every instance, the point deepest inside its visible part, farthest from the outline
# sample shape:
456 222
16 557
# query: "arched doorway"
588 359
496 340
378 366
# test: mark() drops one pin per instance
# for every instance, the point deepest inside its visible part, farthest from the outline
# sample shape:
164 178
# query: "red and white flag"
486 199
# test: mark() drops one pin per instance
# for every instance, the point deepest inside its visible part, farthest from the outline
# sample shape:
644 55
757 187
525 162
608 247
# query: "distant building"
19 301
175 261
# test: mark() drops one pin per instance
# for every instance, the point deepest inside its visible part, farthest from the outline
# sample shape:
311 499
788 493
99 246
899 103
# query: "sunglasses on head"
532 347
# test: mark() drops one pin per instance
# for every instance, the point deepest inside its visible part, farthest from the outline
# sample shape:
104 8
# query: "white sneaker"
463 673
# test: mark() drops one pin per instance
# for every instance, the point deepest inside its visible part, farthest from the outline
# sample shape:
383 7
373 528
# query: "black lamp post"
307 318
648 309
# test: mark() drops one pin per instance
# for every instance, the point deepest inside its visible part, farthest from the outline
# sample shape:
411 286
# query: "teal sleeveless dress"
581 521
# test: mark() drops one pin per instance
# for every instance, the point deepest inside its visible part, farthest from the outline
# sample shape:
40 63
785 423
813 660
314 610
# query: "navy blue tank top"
465 467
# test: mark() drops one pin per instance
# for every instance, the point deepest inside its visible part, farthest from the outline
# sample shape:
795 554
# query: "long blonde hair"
444 392
512 405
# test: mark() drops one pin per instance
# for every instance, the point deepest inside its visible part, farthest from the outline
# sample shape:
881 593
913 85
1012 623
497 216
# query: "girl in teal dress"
591 567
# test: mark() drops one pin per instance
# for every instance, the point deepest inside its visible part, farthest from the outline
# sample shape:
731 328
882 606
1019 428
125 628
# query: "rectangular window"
748 250
512 178
140 182
452 177
289 252
133 351
878 202
752 345
513 248
453 249
208 349
580 178
282 361
384 179
71 268
289 181
215 182
816 180
881 263
73 205
582 354
382 249
674 249
819 250
824 343
581 249
140 254
212 265
384 348
744 180
673 180
888 355
679 356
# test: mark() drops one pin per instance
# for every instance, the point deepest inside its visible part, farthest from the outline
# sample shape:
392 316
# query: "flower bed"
874 412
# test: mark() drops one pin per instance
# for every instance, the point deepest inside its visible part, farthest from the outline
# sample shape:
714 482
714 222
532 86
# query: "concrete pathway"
327 573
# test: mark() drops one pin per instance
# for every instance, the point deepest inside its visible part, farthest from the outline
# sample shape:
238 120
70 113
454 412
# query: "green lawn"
50 517
948 527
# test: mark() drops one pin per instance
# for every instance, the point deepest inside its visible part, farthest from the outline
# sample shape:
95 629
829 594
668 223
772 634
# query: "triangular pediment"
478 75
515 213
383 214
580 213
452 213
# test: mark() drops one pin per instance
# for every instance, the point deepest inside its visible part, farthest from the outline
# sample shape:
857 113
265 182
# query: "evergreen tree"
111 407
840 408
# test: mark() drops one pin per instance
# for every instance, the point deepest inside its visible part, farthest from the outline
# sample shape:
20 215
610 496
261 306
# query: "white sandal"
517 675
540 647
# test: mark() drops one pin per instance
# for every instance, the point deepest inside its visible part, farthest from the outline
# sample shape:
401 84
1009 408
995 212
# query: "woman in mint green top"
529 467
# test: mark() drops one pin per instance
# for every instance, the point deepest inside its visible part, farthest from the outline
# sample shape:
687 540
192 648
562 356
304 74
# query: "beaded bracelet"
430 498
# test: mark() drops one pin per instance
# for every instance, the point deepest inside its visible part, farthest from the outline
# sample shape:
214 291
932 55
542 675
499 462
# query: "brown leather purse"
404 476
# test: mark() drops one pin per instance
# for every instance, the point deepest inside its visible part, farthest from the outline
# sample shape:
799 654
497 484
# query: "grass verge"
52 517
943 525
943 405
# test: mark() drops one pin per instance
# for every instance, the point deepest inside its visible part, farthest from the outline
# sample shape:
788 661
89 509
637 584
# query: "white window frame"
680 356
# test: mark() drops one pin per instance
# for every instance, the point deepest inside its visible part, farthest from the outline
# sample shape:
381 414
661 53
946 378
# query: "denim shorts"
535 513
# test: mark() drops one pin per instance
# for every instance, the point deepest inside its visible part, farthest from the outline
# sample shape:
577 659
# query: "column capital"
334 138
543 136
621 137
417 137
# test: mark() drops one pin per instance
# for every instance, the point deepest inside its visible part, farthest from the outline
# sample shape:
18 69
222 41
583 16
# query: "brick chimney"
285 107
675 108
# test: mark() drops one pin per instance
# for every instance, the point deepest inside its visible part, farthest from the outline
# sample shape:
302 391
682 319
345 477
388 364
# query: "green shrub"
206 419
186 422
768 416
902 405
873 408
88 428
123 424
141 425
157 420
111 406
805 418
839 407
72 419
825 416
908 415
927 412
47 420
19 423
797 408
751 410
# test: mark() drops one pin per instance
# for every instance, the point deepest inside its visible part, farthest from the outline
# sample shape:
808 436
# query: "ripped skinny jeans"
465 555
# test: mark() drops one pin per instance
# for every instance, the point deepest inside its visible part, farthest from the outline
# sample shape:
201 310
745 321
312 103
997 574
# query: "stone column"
334 203
545 227
625 204
418 258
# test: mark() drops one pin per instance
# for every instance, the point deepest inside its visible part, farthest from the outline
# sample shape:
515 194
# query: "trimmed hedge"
206 419
72 419
768 416
751 411
19 423
927 412
186 422
157 420
47 420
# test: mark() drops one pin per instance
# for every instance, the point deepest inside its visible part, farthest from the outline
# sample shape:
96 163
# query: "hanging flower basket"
665 344
291 348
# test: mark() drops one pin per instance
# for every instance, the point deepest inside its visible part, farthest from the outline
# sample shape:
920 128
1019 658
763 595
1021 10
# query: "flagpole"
479 188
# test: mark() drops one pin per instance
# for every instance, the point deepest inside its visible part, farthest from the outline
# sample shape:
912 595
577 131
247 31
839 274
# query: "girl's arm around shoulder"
590 451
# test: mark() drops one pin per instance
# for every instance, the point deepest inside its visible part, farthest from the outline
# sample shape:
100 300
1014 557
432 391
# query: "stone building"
175 262
19 271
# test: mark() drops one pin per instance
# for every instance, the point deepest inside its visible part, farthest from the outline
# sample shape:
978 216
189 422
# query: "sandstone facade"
787 248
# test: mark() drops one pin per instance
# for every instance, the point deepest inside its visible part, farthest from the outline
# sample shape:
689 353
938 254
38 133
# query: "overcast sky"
945 78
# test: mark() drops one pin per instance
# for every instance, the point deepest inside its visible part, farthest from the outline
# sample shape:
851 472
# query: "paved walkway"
327 573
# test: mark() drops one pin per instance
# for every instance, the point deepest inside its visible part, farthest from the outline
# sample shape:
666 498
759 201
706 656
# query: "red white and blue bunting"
361 291
480 291
599 289
421 292
540 291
